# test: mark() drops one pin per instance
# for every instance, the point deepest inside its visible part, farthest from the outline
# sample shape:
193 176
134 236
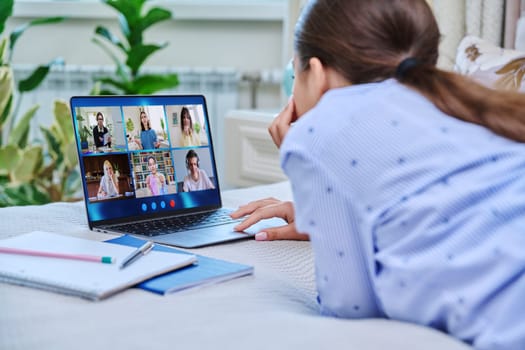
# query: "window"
182 9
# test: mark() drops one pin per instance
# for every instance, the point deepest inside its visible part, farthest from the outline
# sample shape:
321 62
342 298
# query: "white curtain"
520 30
515 24
457 18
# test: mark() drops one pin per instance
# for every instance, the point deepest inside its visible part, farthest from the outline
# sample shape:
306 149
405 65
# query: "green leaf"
64 119
108 92
17 32
9 158
38 75
70 155
106 33
120 85
130 18
138 55
26 194
28 168
155 15
124 27
6 112
5 201
151 83
19 135
6 10
6 98
53 145
56 152
3 45
121 69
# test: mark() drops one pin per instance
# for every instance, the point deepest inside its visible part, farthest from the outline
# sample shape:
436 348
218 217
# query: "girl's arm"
148 178
115 182
323 210
101 192
163 186
156 142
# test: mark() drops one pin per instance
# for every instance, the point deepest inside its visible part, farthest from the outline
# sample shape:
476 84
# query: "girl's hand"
265 209
281 124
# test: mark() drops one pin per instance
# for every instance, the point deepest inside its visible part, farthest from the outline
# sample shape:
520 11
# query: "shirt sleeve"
207 181
95 136
154 136
185 185
102 185
323 211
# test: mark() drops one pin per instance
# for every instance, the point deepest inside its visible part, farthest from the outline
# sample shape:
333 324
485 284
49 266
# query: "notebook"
159 178
205 272
87 279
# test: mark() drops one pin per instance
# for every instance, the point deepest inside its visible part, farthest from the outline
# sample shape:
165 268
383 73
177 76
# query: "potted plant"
197 127
163 127
32 172
130 52
117 169
84 132
129 125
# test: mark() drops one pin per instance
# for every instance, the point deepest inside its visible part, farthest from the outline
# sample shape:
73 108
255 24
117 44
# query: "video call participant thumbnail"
197 179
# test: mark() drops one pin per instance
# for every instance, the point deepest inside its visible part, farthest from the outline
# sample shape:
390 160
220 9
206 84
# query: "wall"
247 38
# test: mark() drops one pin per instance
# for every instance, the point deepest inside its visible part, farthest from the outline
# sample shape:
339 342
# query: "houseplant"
31 173
84 132
129 51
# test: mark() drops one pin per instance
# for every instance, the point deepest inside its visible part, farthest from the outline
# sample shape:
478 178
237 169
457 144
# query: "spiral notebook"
90 280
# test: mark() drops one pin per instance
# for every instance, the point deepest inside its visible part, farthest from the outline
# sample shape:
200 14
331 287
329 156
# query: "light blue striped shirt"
413 215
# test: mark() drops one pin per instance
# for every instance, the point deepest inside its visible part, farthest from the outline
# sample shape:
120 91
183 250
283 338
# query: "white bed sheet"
273 309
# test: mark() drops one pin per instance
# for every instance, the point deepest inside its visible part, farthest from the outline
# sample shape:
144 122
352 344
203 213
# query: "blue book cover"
205 271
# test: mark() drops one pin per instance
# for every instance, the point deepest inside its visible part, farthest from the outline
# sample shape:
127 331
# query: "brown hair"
142 124
365 41
185 111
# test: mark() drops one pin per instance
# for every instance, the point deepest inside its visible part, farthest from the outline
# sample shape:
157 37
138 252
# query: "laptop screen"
144 156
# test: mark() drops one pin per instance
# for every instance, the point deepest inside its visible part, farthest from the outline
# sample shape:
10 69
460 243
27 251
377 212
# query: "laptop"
155 176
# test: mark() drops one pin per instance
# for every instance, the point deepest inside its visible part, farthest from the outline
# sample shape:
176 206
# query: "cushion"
491 65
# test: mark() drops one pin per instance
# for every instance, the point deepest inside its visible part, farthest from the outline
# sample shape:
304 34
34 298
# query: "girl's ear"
319 77
325 78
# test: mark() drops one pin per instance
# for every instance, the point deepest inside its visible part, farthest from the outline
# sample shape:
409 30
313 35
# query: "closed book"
206 271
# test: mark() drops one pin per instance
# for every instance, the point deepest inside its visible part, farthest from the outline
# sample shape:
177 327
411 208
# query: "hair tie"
406 65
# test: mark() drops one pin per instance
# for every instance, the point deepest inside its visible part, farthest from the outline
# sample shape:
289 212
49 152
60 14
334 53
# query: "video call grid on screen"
149 171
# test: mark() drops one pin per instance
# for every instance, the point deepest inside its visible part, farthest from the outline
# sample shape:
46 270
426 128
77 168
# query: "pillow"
491 65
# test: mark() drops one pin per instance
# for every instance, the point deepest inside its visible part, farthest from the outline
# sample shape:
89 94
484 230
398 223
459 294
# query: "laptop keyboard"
163 226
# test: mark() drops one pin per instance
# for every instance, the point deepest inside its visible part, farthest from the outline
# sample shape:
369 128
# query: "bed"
273 309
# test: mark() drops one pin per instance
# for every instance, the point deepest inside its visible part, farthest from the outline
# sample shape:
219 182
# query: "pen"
93 258
141 251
